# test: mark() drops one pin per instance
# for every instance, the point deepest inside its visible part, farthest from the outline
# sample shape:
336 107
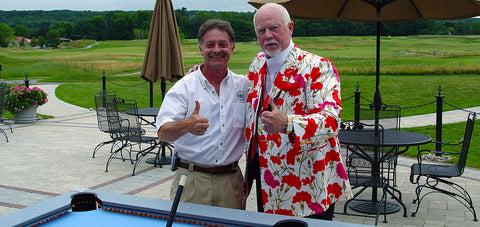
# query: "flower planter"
26 116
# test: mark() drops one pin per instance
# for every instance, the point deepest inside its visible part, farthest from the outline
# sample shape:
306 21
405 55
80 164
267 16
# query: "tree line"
46 27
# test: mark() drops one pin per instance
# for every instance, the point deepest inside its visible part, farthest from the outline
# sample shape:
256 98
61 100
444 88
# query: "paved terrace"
54 156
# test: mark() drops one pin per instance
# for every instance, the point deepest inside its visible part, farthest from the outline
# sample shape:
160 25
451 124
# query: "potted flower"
23 103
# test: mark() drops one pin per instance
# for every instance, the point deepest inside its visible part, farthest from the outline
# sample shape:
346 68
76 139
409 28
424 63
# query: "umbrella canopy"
163 56
366 10
377 11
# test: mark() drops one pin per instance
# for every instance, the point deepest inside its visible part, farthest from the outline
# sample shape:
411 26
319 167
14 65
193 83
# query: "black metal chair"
4 91
126 129
101 98
359 168
437 176
389 118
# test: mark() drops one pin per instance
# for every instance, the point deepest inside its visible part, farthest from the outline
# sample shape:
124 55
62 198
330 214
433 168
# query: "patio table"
354 140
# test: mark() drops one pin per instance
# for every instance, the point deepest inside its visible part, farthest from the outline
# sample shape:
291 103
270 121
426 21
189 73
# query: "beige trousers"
222 190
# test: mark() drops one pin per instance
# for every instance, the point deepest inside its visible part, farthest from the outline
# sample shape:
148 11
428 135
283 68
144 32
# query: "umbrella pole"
377 102
151 94
377 98
163 87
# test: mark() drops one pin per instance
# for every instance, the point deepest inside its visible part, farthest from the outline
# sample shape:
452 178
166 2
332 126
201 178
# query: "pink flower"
270 180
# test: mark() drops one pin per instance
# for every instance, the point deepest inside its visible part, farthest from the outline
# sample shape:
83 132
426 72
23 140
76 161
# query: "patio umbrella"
378 11
163 56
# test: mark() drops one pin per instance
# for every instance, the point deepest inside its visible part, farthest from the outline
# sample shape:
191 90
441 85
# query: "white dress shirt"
223 142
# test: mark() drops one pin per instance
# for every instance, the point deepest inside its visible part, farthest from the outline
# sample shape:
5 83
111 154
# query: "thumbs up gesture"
275 121
197 125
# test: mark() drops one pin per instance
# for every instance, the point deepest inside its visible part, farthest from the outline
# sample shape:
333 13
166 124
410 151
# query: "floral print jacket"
302 172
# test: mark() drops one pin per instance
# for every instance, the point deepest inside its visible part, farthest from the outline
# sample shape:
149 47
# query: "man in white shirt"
204 113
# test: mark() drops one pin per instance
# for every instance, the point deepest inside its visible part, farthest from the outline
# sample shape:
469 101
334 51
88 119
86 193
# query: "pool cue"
183 178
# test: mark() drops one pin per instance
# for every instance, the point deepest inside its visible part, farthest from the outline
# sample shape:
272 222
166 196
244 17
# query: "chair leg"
113 153
5 134
397 198
100 145
142 154
417 200
460 194
7 124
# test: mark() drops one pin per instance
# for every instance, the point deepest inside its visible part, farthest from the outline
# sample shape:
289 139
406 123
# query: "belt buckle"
191 167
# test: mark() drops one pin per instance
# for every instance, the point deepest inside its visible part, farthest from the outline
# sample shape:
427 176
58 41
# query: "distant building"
65 40
19 40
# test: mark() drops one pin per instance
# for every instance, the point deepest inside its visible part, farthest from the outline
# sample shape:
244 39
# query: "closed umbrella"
163 55
378 11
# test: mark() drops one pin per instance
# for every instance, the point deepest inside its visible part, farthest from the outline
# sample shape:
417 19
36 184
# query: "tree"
141 23
196 21
41 41
122 27
476 28
99 28
21 30
34 42
6 33
3 40
53 38
64 28
82 29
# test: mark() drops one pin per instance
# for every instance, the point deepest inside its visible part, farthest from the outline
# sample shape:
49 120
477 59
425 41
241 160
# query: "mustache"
270 42
217 55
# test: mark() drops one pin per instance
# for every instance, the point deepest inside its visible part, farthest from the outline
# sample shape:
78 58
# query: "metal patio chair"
4 91
360 172
126 129
389 118
437 176
101 98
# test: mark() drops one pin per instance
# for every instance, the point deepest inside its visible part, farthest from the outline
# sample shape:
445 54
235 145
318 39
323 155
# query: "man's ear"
290 27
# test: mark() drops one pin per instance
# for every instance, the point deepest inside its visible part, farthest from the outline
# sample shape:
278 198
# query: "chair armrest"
445 143
439 152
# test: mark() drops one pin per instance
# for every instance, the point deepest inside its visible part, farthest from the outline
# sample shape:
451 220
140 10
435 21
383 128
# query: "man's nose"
217 48
268 34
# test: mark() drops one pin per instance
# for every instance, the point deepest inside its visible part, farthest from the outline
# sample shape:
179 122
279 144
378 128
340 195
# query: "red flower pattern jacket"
302 172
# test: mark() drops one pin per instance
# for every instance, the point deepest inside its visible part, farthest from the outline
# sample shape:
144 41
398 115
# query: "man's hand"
194 68
197 125
275 120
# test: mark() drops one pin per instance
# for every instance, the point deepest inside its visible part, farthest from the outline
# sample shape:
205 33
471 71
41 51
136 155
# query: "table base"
370 207
159 161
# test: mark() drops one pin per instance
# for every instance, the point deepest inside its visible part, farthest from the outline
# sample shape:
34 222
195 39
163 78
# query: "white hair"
282 9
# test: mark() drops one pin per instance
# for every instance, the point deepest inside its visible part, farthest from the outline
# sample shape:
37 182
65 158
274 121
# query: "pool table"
127 210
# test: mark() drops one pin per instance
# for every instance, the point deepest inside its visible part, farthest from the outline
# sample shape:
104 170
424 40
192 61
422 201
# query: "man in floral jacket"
292 121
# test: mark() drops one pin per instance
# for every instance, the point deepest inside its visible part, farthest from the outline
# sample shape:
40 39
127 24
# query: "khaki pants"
222 190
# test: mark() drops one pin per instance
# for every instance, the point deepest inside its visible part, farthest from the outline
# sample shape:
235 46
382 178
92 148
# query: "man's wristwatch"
289 126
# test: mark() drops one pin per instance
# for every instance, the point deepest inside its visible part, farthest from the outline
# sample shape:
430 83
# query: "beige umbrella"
378 11
366 10
163 56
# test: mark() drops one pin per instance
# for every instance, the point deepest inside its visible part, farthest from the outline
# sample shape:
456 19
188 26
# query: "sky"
127 5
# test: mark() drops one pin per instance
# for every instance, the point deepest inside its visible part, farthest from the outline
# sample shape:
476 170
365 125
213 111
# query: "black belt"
231 168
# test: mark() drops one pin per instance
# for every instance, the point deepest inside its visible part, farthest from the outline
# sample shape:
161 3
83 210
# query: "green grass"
412 69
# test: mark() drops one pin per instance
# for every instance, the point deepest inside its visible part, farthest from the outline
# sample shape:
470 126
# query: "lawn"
412 70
